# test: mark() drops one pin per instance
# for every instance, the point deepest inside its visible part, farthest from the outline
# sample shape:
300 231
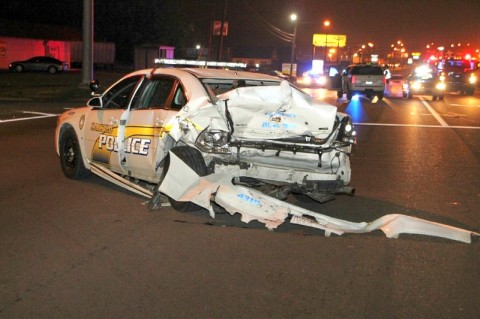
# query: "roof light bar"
213 64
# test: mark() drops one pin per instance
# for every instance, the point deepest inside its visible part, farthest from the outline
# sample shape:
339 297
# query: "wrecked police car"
215 120
242 140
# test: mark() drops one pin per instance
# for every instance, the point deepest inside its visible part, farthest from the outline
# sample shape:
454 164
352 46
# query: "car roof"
211 73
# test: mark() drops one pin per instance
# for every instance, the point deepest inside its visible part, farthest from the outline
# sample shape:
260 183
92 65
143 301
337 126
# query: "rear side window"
367 70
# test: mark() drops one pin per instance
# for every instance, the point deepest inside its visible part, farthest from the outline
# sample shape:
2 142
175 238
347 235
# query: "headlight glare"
440 86
416 85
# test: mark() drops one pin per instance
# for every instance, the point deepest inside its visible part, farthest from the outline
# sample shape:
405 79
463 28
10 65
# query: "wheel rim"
70 154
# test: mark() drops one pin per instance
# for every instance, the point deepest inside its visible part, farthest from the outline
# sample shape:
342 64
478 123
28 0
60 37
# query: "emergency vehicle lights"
214 64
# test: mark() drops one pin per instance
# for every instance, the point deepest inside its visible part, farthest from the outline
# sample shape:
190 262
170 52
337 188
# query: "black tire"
380 96
70 156
440 97
18 68
470 91
194 159
349 95
339 94
52 69
434 98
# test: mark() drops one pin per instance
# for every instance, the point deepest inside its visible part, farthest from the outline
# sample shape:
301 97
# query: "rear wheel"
339 94
434 98
52 69
194 159
470 91
440 97
380 96
71 157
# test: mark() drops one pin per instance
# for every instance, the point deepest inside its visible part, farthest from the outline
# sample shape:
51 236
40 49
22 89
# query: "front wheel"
194 159
52 69
19 68
71 159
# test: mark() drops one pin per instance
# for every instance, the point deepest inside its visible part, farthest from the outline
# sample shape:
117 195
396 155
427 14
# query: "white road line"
434 113
39 113
453 104
40 116
417 125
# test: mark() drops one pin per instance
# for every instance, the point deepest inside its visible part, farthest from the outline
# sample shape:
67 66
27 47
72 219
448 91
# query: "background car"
362 79
40 64
311 79
459 75
424 81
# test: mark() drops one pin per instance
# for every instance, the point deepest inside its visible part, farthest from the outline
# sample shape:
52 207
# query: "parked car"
365 79
40 64
271 134
424 81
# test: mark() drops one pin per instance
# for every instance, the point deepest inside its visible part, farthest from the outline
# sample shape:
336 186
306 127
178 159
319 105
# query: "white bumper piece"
183 184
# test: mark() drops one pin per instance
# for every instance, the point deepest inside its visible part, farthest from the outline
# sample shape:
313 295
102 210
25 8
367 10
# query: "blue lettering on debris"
281 114
249 199
286 126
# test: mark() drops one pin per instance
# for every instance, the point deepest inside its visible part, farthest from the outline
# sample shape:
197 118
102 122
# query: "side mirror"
94 86
95 102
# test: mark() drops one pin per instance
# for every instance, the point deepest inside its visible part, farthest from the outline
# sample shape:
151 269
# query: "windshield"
367 70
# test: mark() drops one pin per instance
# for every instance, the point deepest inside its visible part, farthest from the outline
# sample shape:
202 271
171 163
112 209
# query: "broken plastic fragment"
254 205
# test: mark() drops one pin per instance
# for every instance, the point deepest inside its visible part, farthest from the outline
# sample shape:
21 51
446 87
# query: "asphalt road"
87 249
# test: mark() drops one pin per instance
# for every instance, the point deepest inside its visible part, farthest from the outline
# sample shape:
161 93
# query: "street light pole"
87 50
293 17
326 23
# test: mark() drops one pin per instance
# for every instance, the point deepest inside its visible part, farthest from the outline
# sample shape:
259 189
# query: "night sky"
187 22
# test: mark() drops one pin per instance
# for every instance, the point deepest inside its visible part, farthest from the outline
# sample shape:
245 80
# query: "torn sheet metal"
254 205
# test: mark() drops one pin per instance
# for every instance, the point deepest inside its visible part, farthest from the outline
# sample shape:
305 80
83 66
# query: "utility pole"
219 53
87 48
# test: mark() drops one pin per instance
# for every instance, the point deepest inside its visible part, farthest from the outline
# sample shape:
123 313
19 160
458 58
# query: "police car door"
157 100
102 123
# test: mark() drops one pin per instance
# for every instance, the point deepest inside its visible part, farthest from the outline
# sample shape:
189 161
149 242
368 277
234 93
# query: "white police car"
266 130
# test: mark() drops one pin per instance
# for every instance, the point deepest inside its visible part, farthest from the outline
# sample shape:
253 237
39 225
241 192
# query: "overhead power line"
280 34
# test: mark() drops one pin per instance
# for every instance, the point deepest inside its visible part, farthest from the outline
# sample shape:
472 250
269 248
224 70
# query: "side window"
154 93
119 95
179 98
